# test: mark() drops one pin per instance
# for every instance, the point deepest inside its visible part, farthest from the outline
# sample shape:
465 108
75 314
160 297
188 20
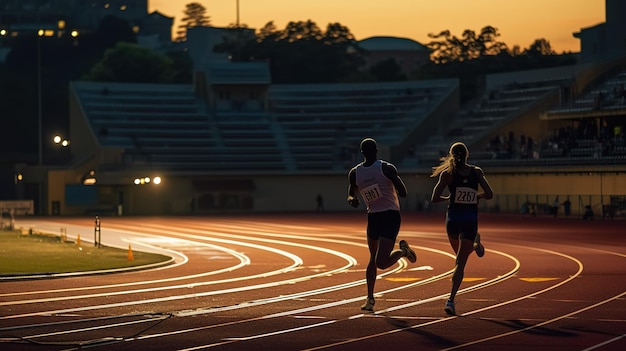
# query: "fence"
596 206
606 207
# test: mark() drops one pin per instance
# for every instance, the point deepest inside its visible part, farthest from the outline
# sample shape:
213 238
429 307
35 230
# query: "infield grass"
22 254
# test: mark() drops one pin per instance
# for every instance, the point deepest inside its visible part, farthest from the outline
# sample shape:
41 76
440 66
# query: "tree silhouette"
131 63
301 53
195 16
448 48
540 47
472 56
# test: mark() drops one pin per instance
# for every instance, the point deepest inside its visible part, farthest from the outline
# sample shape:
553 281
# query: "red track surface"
295 282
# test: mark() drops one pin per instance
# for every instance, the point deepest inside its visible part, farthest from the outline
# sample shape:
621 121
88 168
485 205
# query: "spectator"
567 207
588 215
555 206
320 203
599 101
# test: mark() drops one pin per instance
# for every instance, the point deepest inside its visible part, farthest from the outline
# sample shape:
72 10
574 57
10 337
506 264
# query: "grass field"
24 254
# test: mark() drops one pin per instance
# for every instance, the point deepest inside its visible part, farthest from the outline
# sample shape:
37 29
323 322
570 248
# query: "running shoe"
368 305
478 247
450 308
407 251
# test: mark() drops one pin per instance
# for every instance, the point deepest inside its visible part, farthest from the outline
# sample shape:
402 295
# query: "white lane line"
568 315
318 307
309 309
297 262
243 261
617 338
278 332
434 298
159 239
283 298
343 302
99 327
580 269
512 302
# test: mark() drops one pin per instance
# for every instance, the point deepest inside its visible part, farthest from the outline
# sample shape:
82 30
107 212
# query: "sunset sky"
519 22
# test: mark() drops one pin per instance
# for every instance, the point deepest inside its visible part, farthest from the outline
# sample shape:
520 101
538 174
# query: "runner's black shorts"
385 224
462 229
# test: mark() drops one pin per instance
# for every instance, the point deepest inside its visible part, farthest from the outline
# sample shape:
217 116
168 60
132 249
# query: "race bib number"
466 196
371 193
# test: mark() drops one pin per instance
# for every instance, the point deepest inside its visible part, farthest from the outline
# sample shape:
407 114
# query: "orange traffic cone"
130 254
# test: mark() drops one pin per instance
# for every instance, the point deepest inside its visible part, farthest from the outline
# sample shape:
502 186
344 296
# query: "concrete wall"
297 193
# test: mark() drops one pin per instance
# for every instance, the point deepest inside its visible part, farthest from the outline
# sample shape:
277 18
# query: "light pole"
237 13
40 33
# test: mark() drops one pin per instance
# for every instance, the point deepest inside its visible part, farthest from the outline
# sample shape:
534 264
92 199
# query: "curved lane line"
580 269
478 286
313 308
297 262
540 292
321 306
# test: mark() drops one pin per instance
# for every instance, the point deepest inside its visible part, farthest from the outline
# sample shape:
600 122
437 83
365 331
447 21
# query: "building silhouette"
26 17
605 40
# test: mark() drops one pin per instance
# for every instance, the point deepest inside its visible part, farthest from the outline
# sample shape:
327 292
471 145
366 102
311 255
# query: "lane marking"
405 279
537 280
348 301
297 262
472 288
478 286
617 338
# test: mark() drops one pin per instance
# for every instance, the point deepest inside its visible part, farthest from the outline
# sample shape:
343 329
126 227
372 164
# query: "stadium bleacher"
316 126
495 108
306 127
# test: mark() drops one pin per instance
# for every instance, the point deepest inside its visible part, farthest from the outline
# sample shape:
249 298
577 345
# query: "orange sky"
519 22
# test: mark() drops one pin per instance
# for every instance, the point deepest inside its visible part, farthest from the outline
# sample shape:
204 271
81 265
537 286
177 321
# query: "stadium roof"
385 43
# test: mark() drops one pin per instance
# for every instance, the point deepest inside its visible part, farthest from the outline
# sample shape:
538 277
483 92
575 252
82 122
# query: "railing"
599 207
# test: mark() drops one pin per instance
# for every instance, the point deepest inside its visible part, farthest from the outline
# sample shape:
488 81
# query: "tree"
195 16
131 63
472 56
182 67
448 48
268 31
540 47
238 42
302 52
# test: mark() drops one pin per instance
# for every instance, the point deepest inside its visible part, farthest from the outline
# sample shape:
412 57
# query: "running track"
295 282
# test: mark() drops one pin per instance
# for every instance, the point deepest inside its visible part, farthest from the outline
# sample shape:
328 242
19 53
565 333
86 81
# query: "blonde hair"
457 155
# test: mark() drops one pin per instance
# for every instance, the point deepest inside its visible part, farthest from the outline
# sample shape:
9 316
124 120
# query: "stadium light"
147 180
90 178
61 141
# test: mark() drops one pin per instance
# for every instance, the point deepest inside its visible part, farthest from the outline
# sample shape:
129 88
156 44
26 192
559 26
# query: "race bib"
371 193
466 196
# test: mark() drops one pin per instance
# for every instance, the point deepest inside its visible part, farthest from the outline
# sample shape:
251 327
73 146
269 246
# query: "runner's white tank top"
377 191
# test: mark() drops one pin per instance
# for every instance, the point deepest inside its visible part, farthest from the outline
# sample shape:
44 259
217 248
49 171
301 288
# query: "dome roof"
391 44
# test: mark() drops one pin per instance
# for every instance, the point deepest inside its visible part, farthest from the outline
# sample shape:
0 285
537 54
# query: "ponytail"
457 155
